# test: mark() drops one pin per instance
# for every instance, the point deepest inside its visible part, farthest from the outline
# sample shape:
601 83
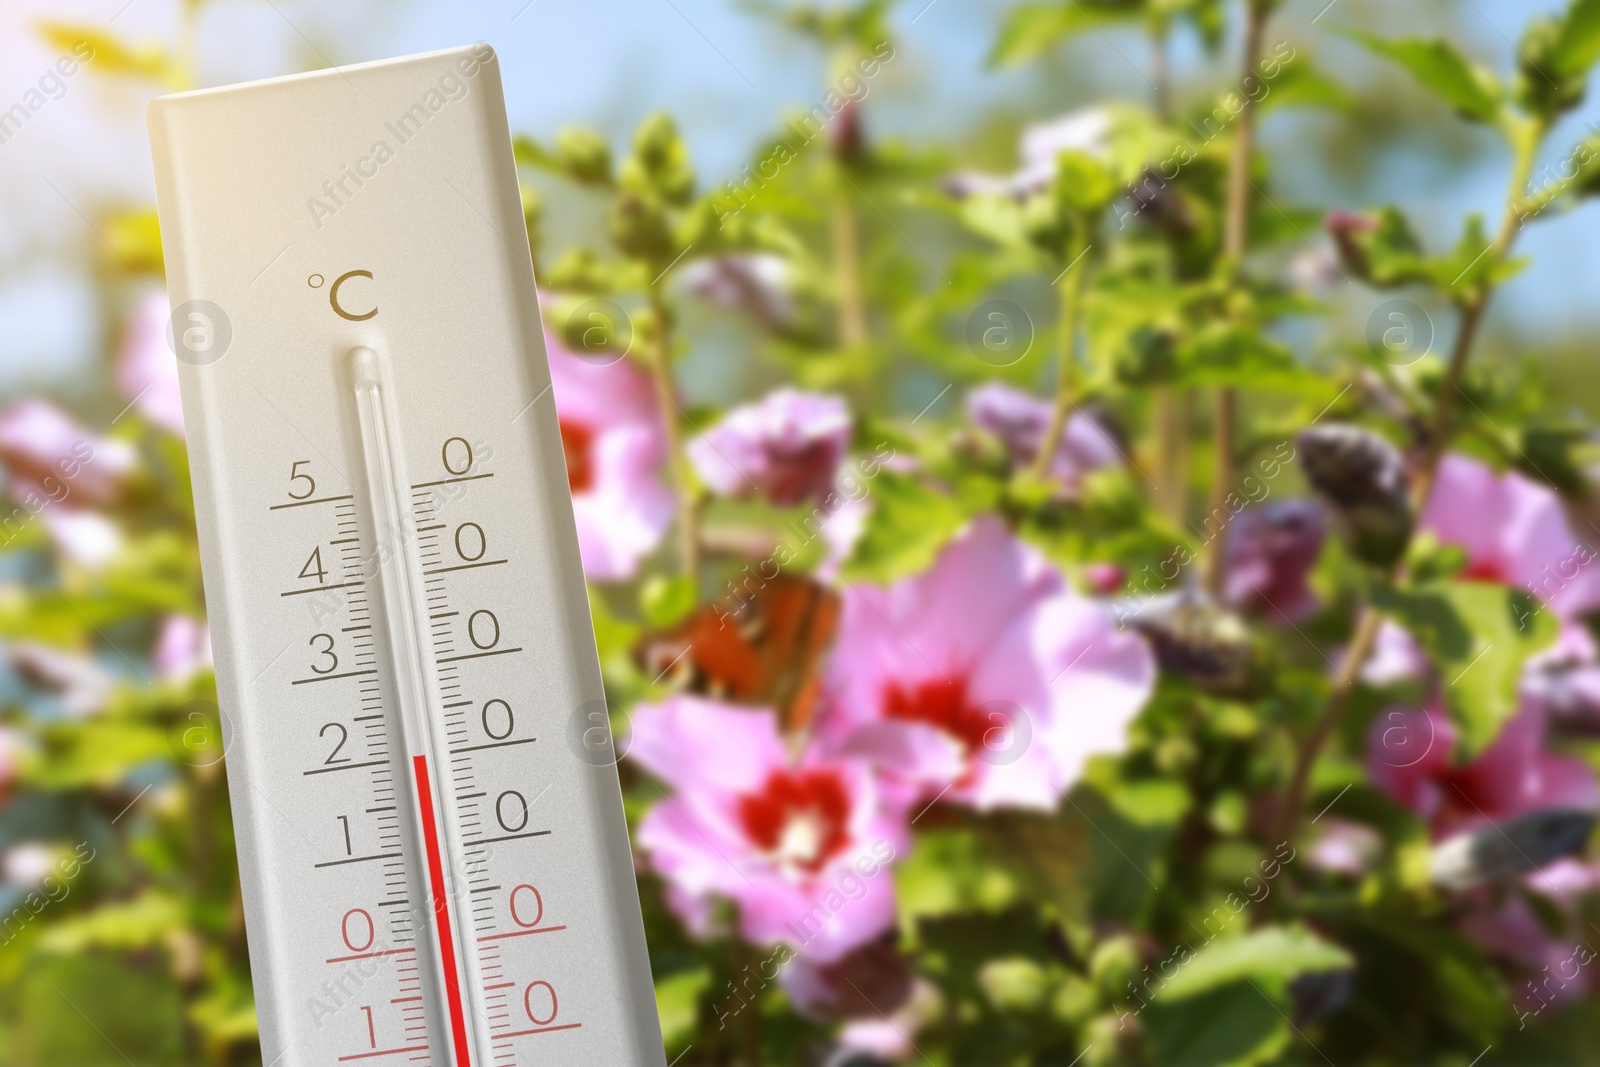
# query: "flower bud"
1198 639
584 155
1502 851
1361 477
641 230
1540 86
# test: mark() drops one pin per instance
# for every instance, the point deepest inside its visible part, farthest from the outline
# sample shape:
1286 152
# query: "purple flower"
1345 848
800 845
86 537
1557 968
1020 420
872 991
57 470
147 370
1396 657
26 865
786 447
50 457
183 648
1514 532
1271 550
1410 756
871 977
985 680
758 282
615 446
10 758
1087 130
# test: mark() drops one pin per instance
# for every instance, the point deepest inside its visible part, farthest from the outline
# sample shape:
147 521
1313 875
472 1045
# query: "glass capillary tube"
412 669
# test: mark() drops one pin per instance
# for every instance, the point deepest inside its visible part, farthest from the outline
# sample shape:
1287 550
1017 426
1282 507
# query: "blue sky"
726 74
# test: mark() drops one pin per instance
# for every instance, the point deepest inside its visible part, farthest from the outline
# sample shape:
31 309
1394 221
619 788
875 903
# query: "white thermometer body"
432 848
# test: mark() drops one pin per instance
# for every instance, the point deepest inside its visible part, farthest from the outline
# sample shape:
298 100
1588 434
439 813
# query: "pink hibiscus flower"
986 680
615 446
1020 420
1271 550
147 370
787 447
800 845
1410 756
1514 532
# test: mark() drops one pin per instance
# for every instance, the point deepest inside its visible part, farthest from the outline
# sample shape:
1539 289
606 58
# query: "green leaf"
1232 354
1442 70
101 753
1578 45
1271 956
1049 855
1391 253
136 1007
144 922
1128 857
666 601
1471 264
1030 30
1300 84
1478 635
1235 1026
1148 801
908 525
1083 184
999 218
949 872
678 1004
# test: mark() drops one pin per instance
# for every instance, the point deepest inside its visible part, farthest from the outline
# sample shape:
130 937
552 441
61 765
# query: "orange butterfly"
764 649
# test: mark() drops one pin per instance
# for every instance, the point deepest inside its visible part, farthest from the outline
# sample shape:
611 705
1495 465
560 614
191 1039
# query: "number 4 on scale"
314 567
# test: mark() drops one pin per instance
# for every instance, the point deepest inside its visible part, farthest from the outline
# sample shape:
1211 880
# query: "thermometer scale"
433 855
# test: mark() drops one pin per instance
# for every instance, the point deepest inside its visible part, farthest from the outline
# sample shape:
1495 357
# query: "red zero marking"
384 1052
344 930
441 904
516 918
370 955
541 1030
522 933
527 1003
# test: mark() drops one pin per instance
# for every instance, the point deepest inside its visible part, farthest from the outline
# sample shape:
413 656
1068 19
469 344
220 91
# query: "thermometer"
433 856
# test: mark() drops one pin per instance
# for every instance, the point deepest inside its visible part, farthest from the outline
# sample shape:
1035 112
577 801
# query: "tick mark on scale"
305 503
479 655
448 481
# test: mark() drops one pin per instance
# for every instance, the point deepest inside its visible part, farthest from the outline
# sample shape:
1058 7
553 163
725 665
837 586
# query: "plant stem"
852 322
1070 286
1161 71
1235 236
660 350
1369 621
1171 431
750 1014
